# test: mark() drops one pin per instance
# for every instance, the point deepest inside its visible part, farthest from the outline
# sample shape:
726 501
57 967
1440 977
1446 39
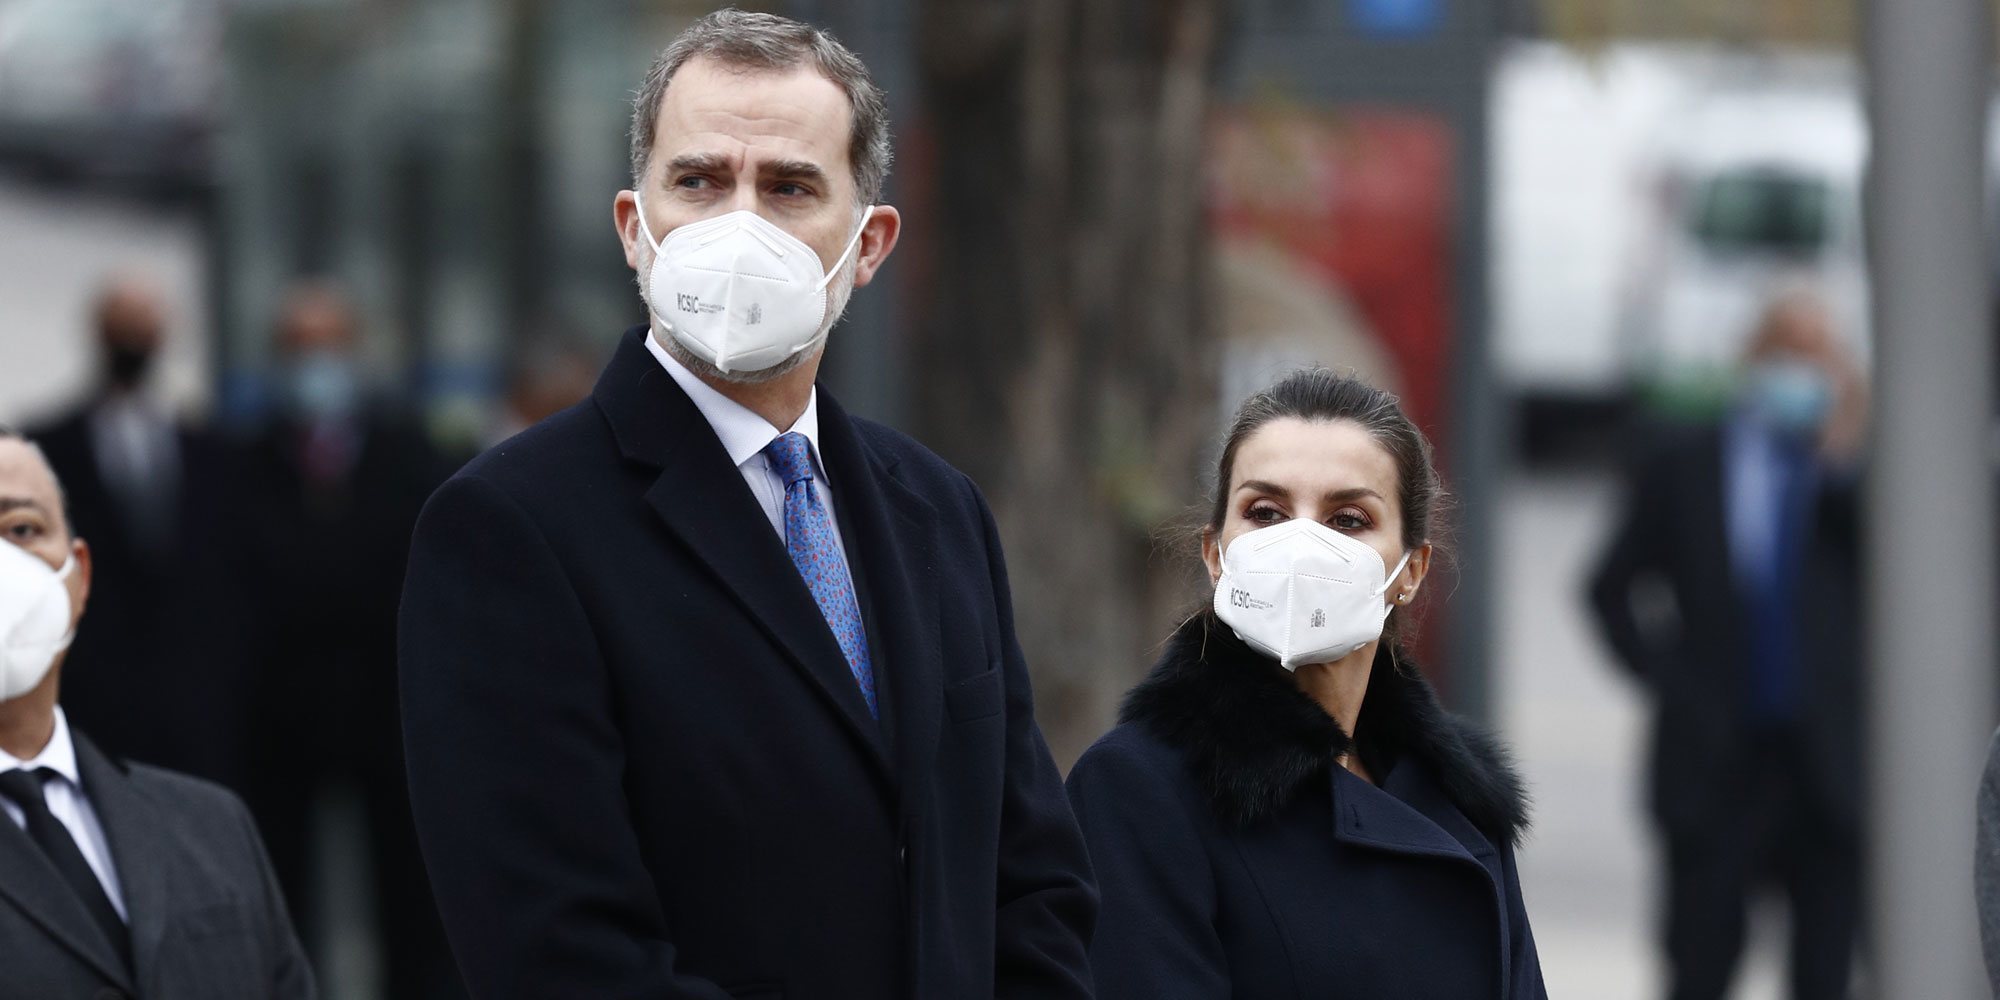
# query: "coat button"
903 855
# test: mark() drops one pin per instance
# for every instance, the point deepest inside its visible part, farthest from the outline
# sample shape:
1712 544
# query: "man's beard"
838 292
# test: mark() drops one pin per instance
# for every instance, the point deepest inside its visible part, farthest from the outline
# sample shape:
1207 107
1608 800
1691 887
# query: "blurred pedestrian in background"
117 879
1749 526
332 487
551 374
160 674
1285 809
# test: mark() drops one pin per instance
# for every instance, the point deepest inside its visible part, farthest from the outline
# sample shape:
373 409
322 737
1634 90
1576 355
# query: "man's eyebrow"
704 163
8 504
793 170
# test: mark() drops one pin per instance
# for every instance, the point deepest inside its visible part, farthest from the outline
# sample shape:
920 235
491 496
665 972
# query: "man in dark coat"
117 879
700 709
332 489
160 674
1750 527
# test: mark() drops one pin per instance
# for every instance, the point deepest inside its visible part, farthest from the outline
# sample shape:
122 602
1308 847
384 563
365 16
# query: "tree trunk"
1064 349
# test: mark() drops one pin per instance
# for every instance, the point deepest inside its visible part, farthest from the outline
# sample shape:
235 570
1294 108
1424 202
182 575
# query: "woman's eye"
1264 515
1348 520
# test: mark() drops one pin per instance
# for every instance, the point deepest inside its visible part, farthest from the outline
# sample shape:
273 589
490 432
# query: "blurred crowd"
243 619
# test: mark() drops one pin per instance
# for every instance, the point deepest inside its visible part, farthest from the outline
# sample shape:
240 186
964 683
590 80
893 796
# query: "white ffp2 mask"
739 292
1301 592
34 618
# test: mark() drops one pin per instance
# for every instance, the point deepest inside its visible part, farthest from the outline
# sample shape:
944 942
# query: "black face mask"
127 366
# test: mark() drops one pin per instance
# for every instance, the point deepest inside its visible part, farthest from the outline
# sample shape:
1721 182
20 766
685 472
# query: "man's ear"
878 239
625 215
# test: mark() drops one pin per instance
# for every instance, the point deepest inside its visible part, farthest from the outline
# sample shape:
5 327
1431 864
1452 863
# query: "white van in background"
1648 202
1760 193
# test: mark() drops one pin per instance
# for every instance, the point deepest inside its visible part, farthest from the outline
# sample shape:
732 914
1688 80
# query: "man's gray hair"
746 40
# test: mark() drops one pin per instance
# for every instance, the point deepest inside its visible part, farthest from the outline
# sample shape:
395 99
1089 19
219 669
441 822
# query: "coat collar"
31 882
135 832
891 536
1254 740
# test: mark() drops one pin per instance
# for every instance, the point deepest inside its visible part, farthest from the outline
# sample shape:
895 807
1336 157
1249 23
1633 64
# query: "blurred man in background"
1750 527
551 374
159 675
116 879
332 487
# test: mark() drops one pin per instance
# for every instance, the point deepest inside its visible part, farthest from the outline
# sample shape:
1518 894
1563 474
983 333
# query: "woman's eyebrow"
1260 486
1353 493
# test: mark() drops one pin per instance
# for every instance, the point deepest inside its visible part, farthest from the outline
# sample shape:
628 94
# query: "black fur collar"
1254 739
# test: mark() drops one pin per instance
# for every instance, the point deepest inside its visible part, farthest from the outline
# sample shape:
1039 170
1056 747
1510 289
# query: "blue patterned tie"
815 550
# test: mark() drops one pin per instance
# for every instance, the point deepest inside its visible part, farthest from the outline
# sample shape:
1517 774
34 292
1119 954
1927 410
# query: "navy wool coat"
1236 859
640 766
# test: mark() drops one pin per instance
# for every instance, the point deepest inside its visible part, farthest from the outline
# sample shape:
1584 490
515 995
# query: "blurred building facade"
451 163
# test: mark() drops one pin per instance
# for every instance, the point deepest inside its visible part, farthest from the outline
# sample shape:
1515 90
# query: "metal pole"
1478 435
1931 491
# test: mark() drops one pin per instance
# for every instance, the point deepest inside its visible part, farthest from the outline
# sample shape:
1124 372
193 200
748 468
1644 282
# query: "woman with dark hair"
1285 811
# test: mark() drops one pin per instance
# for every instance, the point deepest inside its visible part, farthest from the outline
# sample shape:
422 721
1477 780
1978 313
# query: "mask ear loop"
639 202
1390 643
841 261
68 567
1394 573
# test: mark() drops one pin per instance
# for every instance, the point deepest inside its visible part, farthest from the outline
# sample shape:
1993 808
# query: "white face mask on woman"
34 618
738 292
1301 592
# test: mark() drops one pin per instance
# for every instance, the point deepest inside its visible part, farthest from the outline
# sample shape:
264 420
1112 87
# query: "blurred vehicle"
1759 190
1648 199
1569 132
125 90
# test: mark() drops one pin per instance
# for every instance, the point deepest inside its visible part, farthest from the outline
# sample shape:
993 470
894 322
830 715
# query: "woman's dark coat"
1237 860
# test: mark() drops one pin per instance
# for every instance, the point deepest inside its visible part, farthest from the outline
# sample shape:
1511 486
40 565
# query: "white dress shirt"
1755 492
69 804
745 435
1752 491
137 454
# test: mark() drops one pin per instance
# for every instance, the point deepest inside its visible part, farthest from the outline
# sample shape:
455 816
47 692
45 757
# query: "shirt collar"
743 433
58 756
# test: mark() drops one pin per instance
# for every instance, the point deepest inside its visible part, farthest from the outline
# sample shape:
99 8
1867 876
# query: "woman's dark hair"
1318 394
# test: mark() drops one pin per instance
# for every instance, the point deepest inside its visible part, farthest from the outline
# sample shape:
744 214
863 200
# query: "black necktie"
25 789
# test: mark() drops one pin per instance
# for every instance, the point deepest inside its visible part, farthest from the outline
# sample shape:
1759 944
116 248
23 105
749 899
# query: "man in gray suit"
116 879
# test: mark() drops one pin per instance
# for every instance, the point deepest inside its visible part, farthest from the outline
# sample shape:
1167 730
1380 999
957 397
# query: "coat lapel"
31 882
1708 483
1410 815
892 542
1367 816
702 498
134 832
